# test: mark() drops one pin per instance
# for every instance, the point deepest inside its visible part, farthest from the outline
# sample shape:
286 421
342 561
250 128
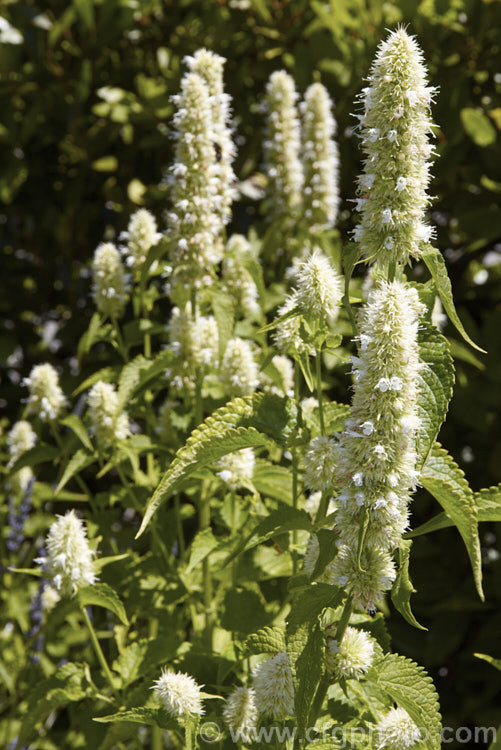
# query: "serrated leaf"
403 588
129 379
244 422
443 479
487 501
412 689
272 481
79 461
436 265
102 595
335 415
142 715
70 683
140 657
435 383
327 550
266 641
496 663
77 426
305 644
278 522
203 544
38 455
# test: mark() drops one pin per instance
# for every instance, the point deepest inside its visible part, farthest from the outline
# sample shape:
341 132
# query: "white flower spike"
69 561
179 694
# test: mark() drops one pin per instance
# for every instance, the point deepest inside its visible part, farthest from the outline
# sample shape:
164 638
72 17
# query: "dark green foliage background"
77 161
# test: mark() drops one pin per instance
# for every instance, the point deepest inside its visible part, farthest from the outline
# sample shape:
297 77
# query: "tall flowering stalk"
320 158
376 455
194 222
282 146
394 129
210 67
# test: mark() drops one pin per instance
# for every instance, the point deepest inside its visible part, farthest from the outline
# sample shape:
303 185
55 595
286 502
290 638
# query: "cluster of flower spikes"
108 423
210 67
109 287
282 145
320 158
195 342
237 280
69 561
395 130
376 453
21 438
200 196
46 399
141 235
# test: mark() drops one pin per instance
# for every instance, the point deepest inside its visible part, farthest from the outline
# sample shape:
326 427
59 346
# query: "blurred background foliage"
85 90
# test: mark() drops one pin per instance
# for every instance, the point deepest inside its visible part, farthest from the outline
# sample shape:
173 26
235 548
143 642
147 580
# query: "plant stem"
179 524
204 523
318 367
156 738
345 618
392 267
97 648
295 465
318 700
322 508
121 345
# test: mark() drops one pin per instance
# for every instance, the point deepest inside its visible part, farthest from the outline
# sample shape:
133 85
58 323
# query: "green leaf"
38 455
191 728
79 461
305 644
327 551
107 374
403 588
203 544
70 683
303 359
244 611
487 501
496 663
412 689
142 715
244 422
77 426
281 319
95 332
478 126
278 522
266 641
443 479
438 269
101 562
273 481
102 595
154 253
129 380
435 384
141 657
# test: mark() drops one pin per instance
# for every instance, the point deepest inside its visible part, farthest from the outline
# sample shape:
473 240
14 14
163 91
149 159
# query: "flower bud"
109 288
69 560
107 424
46 397
273 686
179 694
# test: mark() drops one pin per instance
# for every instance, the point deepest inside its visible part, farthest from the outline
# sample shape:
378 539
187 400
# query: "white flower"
209 66
240 713
108 424
353 657
320 158
21 438
396 167
320 463
273 686
285 370
109 288
237 468
319 287
378 442
69 562
142 234
46 397
287 335
397 731
367 584
239 371
195 342
179 693
282 145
